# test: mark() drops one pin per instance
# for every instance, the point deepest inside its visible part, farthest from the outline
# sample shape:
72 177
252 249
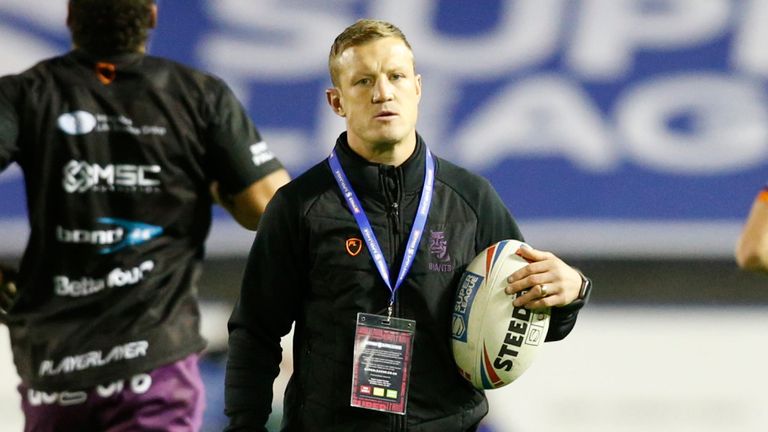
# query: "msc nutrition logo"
81 176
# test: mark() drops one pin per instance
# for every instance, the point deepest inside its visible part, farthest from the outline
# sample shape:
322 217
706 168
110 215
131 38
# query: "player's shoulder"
185 77
308 187
28 81
311 182
460 179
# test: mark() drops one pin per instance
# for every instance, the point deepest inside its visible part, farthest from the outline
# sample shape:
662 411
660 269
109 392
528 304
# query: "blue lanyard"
365 226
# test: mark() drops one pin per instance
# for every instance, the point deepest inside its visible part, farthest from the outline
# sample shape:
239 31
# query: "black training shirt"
118 155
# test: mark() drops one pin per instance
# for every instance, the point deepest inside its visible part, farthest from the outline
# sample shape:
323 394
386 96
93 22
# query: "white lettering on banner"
296 33
549 115
552 116
64 286
749 53
25 41
611 32
526 34
91 359
731 125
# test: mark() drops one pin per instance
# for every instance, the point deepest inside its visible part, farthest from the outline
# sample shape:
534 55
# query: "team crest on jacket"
354 246
438 248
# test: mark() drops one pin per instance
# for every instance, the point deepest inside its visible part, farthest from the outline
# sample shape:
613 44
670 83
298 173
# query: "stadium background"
629 136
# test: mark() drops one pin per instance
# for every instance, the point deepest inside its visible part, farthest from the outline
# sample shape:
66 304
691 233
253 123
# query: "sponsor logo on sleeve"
260 153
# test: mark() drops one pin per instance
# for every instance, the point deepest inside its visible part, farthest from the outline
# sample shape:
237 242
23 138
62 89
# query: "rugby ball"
493 341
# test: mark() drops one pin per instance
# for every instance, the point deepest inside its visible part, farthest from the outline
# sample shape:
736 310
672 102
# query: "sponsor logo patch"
67 287
81 176
83 122
122 234
260 153
92 359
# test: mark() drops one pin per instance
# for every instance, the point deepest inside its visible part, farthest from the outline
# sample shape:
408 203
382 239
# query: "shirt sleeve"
270 298
242 157
9 121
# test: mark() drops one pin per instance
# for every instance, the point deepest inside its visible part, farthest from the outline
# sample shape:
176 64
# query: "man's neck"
386 154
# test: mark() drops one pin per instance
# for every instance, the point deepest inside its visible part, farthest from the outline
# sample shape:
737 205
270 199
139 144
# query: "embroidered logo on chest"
354 246
438 249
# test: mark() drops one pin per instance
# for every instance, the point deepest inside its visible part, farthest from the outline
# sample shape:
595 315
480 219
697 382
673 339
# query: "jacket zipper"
398 421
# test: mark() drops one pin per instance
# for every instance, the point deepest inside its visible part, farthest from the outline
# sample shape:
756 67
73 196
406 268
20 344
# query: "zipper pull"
396 216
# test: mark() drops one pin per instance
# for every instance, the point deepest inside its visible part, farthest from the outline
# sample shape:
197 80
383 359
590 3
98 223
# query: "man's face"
378 94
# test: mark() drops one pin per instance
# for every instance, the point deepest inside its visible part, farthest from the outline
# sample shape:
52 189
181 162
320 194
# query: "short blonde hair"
360 33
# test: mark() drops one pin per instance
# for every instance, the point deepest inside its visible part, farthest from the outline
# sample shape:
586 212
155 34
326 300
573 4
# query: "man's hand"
548 280
8 290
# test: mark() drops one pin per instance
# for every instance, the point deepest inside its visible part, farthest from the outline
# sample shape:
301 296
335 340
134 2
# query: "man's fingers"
7 295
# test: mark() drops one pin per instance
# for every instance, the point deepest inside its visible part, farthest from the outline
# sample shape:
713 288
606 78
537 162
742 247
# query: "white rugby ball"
493 341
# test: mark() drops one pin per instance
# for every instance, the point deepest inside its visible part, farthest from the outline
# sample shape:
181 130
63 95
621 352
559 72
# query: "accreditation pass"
382 362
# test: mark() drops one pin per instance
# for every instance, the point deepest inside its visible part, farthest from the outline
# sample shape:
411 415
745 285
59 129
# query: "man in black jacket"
121 153
340 248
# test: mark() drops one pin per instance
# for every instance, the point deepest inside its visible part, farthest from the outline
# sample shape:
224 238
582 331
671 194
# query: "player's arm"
269 302
564 283
8 290
10 89
752 246
247 206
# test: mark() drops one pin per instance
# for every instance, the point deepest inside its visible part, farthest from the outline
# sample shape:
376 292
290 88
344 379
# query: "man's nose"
383 90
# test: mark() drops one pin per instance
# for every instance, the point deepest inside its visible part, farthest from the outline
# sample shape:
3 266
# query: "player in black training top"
123 155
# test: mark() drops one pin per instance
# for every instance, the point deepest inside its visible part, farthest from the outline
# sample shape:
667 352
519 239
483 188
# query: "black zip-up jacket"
300 272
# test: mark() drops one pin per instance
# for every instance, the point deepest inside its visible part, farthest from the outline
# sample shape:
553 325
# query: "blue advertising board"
609 127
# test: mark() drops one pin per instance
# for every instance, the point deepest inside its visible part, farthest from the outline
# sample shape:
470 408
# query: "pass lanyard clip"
367 231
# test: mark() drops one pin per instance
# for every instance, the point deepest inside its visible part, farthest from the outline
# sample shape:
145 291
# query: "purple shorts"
169 399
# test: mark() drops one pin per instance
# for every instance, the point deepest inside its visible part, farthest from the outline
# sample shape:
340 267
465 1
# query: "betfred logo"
68 287
121 234
81 176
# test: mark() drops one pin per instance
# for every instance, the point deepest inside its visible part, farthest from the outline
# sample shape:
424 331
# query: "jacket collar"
123 59
365 176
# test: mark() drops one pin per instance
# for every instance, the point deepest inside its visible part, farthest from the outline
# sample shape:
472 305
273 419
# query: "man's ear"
153 16
334 101
418 86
